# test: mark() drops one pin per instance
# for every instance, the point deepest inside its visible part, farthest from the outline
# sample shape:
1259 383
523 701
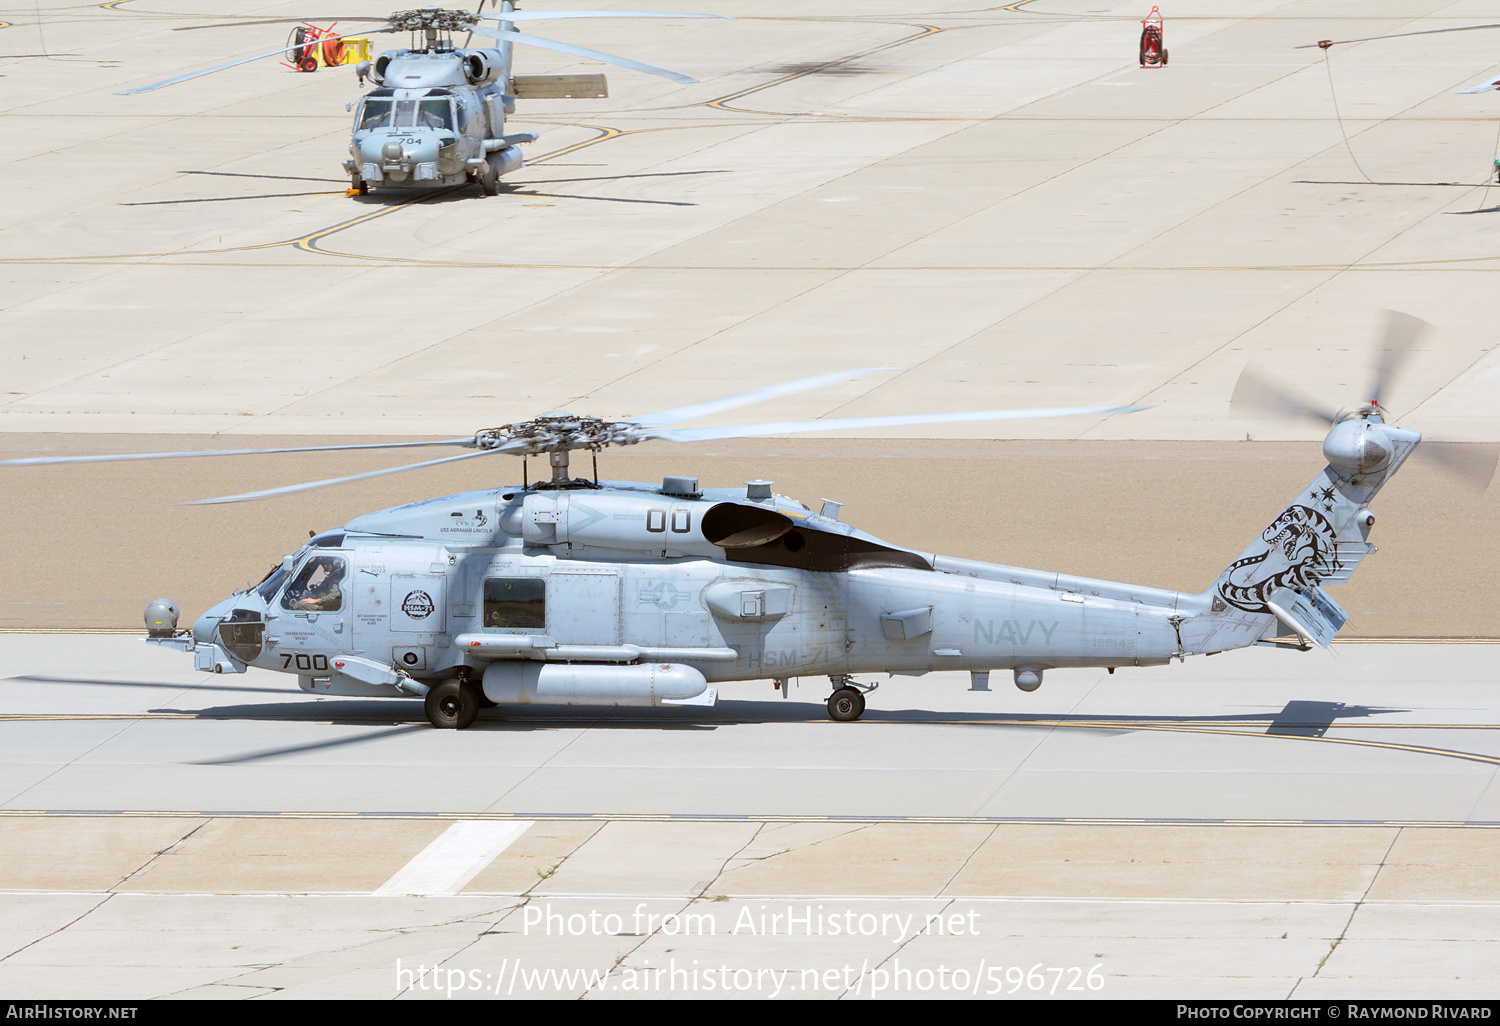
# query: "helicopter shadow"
1420 185
401 714
471 190
465 193
832 69
32 678
1296 718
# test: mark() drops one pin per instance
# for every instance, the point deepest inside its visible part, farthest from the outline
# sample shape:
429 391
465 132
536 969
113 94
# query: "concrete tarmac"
1262 824
1361 734
998 204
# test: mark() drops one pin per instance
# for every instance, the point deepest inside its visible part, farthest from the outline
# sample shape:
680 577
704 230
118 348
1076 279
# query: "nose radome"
205 625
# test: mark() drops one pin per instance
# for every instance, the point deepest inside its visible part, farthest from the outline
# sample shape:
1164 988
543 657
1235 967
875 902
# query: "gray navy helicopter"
437 115
573 591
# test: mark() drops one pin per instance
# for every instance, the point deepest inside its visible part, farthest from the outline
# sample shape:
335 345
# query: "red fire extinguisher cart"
1153 50
310 47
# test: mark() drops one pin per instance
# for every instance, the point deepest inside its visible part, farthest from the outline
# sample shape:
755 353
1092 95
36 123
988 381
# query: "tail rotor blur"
1472 465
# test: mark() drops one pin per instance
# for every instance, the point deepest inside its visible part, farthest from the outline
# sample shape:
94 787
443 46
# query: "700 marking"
304 661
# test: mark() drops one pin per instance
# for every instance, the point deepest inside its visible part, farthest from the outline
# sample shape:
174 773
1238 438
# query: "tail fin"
1318 540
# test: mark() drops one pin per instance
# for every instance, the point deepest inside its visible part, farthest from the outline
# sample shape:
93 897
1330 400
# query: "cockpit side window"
316 586
435 113
273 580
375 113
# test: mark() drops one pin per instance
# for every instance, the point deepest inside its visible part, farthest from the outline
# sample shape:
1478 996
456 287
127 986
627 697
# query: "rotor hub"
557 432
1359 446
433 19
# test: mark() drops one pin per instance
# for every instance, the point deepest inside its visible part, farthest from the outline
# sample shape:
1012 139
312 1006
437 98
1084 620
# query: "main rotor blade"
580 51
1254 391
1485 87
1471 464
759 395
1397 339
272 21
234 64
1398 35
544 15
119 457
791 427
309 486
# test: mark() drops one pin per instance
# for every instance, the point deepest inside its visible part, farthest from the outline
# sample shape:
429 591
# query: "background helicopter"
437 116
576 591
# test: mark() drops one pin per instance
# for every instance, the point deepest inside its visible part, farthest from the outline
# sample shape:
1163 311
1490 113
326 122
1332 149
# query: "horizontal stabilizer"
1309 612
1493 83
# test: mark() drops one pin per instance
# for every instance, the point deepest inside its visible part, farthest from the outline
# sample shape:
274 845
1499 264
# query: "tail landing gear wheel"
452 705
846 704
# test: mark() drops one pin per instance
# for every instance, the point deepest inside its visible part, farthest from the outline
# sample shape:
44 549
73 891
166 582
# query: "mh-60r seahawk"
577 592
437 116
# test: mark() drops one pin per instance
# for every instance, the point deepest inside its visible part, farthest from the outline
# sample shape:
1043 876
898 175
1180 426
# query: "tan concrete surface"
84 854
1263 863
103 540
281 855
1428 865
535 856
883 858
1244 913
649 858
941 861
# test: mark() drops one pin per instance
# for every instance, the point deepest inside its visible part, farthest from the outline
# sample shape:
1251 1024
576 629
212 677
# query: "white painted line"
455 858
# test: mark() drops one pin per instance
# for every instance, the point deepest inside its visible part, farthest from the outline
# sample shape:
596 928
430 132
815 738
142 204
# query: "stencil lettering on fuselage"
1012 632
787 658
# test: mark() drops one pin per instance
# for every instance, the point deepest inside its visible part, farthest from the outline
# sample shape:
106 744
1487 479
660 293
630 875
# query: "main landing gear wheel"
452 705
489 181
846 704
